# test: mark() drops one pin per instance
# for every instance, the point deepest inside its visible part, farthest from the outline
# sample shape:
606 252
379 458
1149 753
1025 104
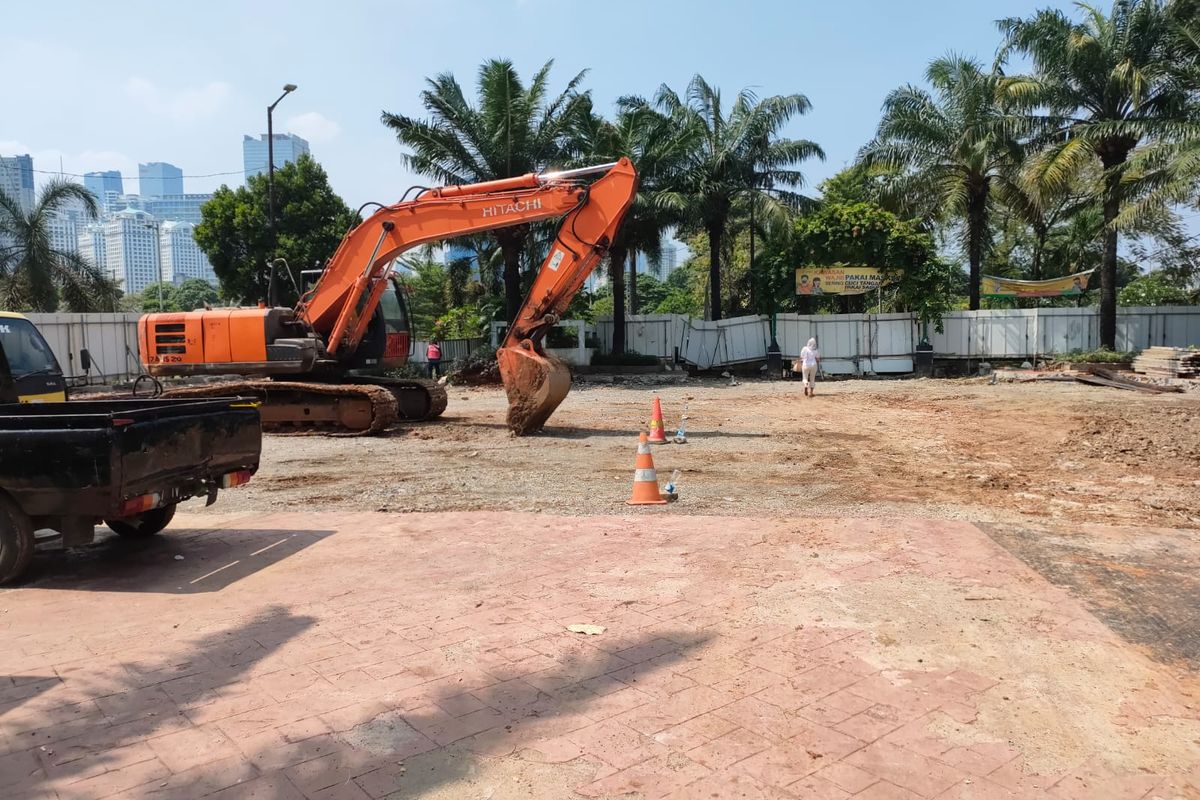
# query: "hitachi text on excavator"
321 364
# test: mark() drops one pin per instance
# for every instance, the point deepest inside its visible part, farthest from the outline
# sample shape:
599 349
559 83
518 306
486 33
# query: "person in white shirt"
809 358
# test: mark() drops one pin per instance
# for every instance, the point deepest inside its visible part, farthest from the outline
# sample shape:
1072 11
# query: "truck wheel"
16 540
143 525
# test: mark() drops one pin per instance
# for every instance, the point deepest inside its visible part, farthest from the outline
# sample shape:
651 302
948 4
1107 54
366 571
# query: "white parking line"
215 571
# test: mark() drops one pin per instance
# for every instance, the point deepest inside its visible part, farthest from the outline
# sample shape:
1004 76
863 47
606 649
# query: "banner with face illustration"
837 280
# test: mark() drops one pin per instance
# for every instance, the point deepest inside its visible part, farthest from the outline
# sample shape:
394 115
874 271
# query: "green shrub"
627 359
1100 356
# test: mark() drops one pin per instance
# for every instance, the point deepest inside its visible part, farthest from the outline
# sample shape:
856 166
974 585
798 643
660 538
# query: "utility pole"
288 88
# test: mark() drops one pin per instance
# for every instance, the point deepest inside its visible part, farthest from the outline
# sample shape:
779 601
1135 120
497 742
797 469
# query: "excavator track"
303 408
418 399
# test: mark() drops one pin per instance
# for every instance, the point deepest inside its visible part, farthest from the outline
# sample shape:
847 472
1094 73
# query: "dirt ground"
1027 455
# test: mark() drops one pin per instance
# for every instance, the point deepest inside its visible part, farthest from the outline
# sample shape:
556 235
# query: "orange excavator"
320 365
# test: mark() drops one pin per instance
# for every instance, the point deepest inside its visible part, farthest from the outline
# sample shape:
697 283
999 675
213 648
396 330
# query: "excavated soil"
1019 454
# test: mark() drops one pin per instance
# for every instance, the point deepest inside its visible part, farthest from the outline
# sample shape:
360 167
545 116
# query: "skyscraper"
90 245
178 207
182 258
158 179
101 183
131 249
288 147
64 233
16 179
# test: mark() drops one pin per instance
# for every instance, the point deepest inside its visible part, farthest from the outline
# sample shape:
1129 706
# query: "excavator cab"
388 341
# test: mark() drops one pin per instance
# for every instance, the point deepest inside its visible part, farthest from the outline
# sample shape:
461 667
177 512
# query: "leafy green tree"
310 223
195 293
955 145
36 276
427 287
1106 84
865 234
151 294
510 130
1155 289
461 322
738 155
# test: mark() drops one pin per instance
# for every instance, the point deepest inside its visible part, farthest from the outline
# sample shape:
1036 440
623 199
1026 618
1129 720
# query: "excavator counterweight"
321 364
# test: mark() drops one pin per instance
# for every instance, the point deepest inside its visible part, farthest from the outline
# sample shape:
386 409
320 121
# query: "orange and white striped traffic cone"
645 479
658 434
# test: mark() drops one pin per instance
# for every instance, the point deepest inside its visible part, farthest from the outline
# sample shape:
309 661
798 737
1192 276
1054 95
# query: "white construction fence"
885 343
110 339
850 343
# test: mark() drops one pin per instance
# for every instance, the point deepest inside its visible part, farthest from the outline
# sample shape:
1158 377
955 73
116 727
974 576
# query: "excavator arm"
536 382
340 306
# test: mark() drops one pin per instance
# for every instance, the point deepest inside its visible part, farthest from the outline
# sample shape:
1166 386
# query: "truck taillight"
136 505
231 479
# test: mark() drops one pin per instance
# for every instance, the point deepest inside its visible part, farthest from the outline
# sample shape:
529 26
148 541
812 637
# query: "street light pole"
157 231
288 88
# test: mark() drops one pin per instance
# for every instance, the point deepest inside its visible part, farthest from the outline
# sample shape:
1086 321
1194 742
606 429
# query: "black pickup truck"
67 466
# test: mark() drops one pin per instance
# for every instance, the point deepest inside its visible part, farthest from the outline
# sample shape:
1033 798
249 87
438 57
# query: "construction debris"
1168 362
1106 377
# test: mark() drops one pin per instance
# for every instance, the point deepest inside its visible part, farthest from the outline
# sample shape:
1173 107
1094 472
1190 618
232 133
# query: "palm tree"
1168 171
953 144
1107 84
34 275
736 155
657 146
512 129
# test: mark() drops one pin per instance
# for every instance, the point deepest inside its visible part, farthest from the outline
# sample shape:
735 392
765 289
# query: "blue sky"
105 86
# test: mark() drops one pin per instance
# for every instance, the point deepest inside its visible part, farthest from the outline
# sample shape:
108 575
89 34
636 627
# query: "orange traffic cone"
645 479
658 434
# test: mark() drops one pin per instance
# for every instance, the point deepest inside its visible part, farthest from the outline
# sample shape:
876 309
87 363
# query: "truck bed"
84 458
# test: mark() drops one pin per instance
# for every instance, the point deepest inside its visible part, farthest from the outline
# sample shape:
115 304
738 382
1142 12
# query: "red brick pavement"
328 656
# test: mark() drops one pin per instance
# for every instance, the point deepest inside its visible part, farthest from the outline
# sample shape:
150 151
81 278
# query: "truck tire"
16 540
143 525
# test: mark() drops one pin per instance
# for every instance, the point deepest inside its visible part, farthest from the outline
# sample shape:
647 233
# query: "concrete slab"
373 655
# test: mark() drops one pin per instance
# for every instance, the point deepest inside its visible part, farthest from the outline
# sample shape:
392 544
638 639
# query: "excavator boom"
535 381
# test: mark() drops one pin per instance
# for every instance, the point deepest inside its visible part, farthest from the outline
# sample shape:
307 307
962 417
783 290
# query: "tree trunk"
1039 246
976 237
715 235
1108 268
633 295
616 274
512 282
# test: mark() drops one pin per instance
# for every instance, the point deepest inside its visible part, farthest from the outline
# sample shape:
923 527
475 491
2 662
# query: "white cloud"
189 104
313 126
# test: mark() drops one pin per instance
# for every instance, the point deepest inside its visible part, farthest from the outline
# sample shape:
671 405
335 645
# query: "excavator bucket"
536 384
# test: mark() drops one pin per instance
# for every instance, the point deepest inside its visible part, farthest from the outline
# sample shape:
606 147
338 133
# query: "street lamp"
157 230
288 88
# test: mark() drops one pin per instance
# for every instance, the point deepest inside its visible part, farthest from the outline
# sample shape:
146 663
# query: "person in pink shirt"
433 355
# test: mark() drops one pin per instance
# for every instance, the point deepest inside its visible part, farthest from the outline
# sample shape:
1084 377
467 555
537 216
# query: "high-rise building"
159 179
90 245
131 249
102 183
16 179
64 233
182 258
287 148
177 207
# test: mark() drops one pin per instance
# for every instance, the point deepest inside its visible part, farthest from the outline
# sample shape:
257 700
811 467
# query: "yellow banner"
1068 285
837 280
